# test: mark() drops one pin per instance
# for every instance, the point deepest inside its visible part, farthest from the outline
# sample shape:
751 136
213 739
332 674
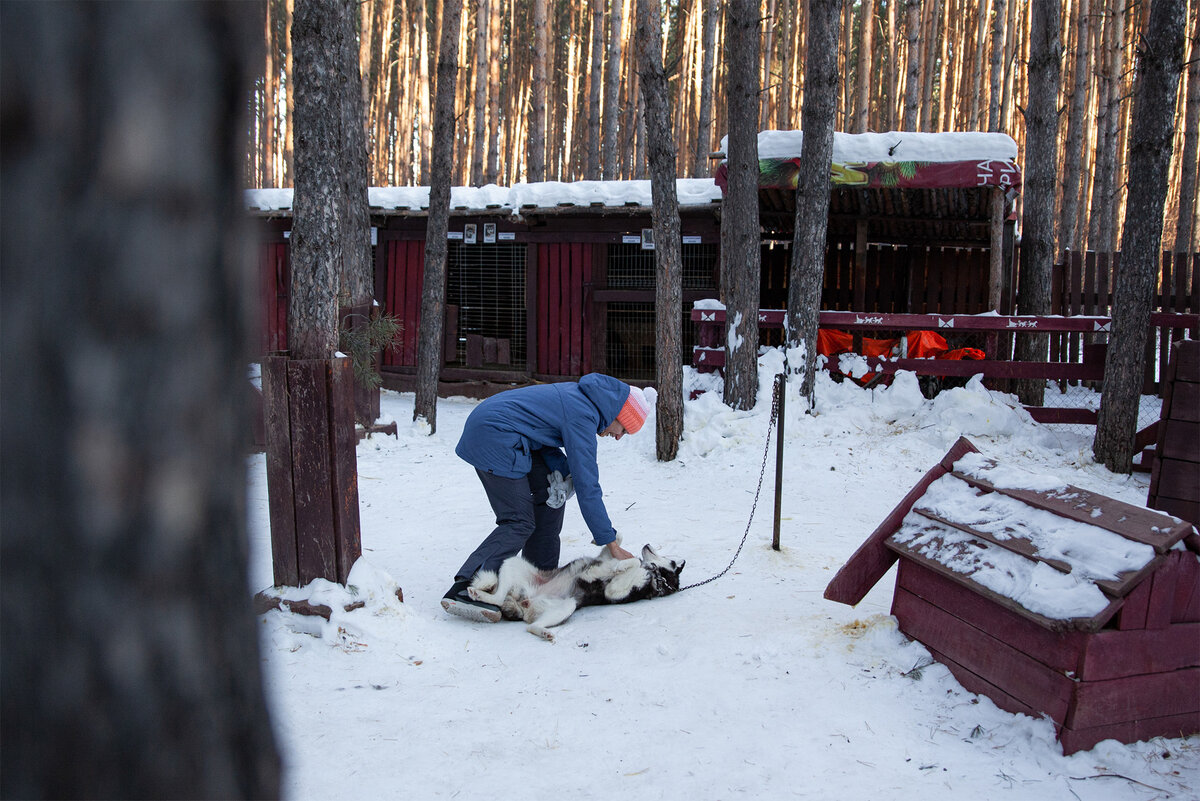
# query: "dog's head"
663 573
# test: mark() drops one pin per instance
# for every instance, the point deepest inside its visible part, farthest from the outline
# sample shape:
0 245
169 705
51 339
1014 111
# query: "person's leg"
512 503
543 545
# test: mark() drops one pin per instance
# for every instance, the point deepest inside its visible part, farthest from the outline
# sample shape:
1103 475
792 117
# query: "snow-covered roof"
866 148
518 199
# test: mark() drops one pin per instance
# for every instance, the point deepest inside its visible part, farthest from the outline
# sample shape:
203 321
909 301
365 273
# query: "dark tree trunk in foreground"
130 664
740 255
668 296
812 192
433 292
1160 60
318 221
1041 182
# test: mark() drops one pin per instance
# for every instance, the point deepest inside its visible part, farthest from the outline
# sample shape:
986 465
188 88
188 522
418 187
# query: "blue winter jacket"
503 431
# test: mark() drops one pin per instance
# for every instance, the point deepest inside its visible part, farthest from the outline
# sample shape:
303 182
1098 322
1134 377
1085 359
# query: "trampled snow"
751 686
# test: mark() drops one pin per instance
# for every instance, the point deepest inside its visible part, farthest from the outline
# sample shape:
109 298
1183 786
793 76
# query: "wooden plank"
1152 695
965 368
1092 623
576 304
1132 522
974 683
1187 591
1178 478
308 408
1137 604
474 350
279 472
1112 654
344 468
414 270
1161 603
1016 673
1185 402
1171 726
873 558
586 322
561 263
1017 541
1058 650
554 300
1058 414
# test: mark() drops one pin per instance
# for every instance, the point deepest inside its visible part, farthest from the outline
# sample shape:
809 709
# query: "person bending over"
515 441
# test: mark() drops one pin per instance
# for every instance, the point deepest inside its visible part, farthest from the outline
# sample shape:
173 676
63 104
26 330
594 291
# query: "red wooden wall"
405 264
563 330
274 277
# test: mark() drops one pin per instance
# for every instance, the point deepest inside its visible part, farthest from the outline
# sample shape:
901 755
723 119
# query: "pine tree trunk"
977 65
704 136
494 48
481 87
740 247
912 86
1072 174
812 194
668 295
129 657
424 87
595 91
612 92
996 65
862 105
433 290
1040 182
893 68
768 45
1108 211
1185 225
1160 60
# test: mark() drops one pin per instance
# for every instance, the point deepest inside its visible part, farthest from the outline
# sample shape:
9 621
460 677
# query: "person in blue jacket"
515 441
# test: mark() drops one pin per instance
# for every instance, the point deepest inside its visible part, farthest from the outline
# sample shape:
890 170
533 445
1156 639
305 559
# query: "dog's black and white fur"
545 598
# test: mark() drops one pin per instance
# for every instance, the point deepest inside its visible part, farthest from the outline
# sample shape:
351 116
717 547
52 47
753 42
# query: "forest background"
558 77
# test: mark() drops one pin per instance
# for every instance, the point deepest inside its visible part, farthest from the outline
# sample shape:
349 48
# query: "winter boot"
457 602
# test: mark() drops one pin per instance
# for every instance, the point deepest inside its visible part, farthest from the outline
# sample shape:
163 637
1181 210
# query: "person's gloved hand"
561 490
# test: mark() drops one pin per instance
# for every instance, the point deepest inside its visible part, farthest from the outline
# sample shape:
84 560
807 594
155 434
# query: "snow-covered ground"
750 686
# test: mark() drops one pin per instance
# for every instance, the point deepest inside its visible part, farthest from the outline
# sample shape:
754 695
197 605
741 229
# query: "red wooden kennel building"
1129 671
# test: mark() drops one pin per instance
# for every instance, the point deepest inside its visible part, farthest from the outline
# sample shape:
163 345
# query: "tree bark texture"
912 86
740 248
1186 222
862 103
712 13
1160 61
812 193
1040 184
668 293
433 290
1068 232
318 242
129 661
358 262
536 169
612 91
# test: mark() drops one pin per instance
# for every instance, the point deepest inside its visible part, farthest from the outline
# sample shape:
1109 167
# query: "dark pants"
524 523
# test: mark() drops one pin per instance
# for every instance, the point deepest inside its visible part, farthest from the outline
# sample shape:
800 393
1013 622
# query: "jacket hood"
606 393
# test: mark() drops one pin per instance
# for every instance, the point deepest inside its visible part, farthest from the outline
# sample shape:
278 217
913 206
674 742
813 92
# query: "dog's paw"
545 634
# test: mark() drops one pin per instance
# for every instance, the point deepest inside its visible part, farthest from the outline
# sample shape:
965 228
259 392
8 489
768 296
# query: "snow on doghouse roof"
902 159
515 200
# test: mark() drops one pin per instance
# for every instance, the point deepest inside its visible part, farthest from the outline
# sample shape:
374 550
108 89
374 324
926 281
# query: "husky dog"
545 598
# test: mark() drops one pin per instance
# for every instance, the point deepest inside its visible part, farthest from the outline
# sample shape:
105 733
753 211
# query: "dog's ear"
679 569
648 552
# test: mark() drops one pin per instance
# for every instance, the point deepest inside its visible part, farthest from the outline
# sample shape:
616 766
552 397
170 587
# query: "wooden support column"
995 265
860 276
312 471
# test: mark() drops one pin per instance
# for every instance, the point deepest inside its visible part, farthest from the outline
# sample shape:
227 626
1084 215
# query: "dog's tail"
485 580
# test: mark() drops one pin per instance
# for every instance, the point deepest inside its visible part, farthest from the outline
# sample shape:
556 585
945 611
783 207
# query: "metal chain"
761 474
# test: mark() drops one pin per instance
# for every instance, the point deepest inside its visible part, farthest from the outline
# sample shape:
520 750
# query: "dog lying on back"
545 598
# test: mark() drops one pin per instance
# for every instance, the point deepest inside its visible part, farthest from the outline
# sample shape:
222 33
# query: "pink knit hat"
637 407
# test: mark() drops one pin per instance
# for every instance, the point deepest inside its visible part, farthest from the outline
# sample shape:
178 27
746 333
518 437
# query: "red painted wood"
1137 604
1099 703
308 410
586 322
1186 402
1113 654
1187 588
543 309
974 683
873 558
344 468
564 309
554 311
1178 478
1060 650
576 305
1055 414
1016 673
1130 731
1181 440
1132 522
1161 603
279 472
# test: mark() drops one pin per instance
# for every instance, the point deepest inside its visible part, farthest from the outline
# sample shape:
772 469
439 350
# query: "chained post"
780 396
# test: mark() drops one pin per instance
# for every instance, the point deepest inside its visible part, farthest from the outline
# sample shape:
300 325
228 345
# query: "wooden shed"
918 222
1049 599
544 281
1175 475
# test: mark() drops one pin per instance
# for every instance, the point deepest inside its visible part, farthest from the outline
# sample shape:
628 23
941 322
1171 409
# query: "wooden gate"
562 332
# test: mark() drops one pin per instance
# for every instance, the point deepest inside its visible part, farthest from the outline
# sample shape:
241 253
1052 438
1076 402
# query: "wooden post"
781 394
995 265
312 470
